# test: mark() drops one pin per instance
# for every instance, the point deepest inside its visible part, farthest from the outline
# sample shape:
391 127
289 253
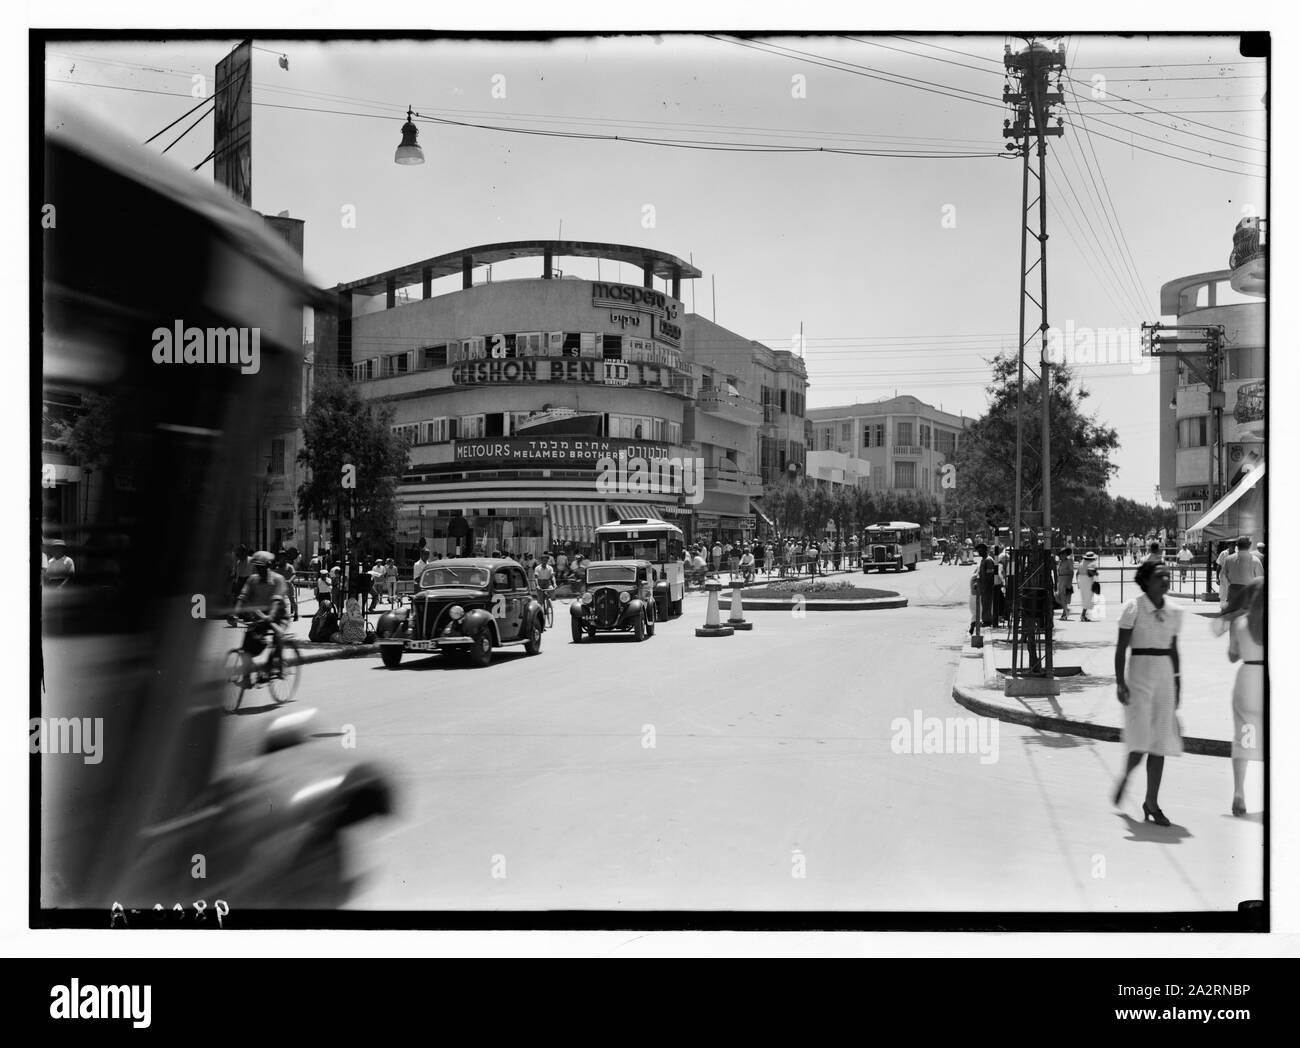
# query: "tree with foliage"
844 510
340 429
817 511
986 456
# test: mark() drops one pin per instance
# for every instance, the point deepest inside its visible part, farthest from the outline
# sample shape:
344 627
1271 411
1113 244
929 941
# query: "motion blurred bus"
645 538
140 774
891 544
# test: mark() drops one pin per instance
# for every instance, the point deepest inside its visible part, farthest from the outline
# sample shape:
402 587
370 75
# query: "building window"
945 442
903 433
1245 363
925 436
904 474
587 344
276 465
433 356
783 403
674 433
1192 432
572 345
612 349
396 364
846 431
471 427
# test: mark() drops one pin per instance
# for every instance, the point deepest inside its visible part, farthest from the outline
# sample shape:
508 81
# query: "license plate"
420 645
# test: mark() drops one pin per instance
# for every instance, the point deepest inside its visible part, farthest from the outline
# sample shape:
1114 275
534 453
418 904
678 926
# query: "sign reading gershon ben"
572 451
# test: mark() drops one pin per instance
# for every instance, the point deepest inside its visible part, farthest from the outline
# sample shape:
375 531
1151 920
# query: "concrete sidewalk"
1087 704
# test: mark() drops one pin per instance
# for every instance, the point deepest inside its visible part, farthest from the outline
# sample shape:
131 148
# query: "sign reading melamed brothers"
485 372
575 451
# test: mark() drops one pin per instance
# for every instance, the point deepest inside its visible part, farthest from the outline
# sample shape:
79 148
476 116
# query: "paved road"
709 773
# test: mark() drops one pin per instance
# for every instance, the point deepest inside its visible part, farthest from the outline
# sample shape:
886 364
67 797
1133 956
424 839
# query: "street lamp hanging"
409 152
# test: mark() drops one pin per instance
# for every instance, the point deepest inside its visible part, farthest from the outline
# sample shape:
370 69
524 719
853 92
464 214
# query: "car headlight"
624 597
456 613
586 598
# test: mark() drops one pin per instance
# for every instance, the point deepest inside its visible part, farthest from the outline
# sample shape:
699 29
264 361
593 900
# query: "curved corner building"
516 395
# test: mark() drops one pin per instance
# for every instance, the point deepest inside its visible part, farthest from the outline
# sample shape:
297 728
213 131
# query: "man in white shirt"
60 570
420 565
1239 568
1184 558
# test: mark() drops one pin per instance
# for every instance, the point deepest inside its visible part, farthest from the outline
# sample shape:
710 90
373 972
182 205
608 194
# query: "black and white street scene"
649 472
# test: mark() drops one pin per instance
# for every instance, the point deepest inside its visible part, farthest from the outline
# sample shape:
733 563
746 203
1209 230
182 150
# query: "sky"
901 270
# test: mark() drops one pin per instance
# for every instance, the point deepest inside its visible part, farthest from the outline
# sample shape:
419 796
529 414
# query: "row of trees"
805 510
985 461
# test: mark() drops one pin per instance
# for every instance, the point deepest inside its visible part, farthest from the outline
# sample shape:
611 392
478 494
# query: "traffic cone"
737 620
713 626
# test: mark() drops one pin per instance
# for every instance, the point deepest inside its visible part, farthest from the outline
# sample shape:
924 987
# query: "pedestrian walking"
338 587
1243 621
717 556
390 581
986 571
1089 587
1000 560
1065 581
1184 559
1149 687
1238 569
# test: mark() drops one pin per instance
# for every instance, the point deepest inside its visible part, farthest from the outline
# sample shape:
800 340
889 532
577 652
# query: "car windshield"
434 578
610 573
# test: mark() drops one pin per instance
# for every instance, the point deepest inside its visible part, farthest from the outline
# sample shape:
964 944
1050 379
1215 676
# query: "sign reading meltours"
574 451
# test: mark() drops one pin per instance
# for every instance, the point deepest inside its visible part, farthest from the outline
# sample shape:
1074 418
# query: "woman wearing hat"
1087 578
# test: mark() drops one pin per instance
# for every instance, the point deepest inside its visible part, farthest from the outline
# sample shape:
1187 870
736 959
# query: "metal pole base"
1031 686
713 631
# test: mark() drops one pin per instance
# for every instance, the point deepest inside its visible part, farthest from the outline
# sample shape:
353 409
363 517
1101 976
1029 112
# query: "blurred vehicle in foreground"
137 807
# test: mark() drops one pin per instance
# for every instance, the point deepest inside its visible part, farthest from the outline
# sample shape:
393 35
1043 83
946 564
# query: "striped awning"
637 511
1220 510
578 521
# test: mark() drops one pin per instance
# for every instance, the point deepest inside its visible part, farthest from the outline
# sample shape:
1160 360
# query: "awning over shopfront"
1236 513
578 521
759 510
639 510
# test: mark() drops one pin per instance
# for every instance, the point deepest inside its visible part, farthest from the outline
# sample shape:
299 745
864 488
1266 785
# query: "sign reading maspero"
572 451
665 310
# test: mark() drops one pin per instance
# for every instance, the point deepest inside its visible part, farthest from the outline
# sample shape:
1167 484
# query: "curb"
767 604
1065 726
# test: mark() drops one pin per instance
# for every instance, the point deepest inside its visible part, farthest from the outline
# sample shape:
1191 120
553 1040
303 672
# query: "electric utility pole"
1029 94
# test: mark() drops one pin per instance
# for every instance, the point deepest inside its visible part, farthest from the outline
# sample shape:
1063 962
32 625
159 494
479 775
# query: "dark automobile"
615 595
464 608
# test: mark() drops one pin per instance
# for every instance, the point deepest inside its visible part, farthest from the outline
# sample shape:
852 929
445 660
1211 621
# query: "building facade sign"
620 298
564 451
527 370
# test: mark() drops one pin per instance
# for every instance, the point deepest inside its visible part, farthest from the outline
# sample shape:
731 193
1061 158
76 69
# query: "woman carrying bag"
1089 587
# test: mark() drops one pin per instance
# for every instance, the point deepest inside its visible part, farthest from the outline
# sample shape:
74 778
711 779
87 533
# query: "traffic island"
817 595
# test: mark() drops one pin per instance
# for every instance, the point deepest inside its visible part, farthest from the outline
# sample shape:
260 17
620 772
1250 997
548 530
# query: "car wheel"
650 623
576 625
534 643
639 628
912 566
481 653
391 655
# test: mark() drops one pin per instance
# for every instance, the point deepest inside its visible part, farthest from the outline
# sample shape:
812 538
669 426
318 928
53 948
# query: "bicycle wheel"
283 678
234 681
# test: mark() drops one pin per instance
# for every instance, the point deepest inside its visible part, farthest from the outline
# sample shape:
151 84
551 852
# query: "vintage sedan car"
465 608
615 595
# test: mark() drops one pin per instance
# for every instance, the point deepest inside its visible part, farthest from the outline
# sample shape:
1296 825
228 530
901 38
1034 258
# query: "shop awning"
578 521
634 511
759 510
1219 511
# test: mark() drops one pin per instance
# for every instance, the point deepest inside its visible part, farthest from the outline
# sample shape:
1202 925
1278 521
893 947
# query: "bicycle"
277 670
548 606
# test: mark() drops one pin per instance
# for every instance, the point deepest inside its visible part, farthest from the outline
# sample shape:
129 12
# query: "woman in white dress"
1244 622
1150 690
1086 576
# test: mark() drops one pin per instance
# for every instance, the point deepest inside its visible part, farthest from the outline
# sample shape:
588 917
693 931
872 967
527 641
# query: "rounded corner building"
517 394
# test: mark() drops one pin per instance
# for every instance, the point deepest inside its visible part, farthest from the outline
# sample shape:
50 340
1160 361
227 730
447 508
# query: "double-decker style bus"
892 544
645 538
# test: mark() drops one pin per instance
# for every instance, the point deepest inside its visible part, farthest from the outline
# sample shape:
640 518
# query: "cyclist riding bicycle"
265 599
544 576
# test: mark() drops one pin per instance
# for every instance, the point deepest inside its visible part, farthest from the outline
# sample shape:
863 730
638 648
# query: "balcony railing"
907 450
730 481
729 405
